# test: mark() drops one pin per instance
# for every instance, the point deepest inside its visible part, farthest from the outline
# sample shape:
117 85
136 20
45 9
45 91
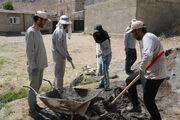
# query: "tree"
8 6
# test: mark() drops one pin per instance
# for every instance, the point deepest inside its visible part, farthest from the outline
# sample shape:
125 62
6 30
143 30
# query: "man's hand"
97 56
69 58
142 73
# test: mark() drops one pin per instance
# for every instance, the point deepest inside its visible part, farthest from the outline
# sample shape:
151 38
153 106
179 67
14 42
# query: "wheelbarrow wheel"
93 112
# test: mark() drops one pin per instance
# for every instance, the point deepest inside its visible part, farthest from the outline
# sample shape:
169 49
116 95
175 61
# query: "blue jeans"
104 65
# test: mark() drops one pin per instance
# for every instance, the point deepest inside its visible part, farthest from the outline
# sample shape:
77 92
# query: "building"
114 15
18 21
75 10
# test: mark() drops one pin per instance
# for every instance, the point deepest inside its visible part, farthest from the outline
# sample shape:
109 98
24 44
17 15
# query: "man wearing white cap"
130 49
154 76
59 49
36 59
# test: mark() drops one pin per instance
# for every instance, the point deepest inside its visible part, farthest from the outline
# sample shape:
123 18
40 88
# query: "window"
14 20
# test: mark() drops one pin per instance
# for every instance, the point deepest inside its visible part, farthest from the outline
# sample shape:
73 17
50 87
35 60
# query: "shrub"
8 6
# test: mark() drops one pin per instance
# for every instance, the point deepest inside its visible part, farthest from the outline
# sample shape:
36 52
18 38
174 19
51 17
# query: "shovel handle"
72 64
127 88
138 77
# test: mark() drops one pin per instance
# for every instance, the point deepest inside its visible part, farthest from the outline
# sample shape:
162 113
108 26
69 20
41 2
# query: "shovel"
78 78
135 80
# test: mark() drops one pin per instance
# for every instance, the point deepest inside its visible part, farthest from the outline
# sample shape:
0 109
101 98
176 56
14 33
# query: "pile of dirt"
173 66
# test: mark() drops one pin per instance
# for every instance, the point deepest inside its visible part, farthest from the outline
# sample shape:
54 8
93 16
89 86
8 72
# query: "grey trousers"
35 78
59 70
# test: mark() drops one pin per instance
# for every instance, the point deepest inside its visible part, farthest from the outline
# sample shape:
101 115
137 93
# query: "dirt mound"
173 66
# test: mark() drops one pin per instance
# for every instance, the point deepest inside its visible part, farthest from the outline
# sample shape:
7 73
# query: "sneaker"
134 109
100 86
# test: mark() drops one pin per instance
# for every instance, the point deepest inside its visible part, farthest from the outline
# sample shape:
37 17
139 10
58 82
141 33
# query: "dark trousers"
131 57
150 89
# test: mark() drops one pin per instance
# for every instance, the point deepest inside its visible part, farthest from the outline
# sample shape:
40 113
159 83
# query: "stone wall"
159 15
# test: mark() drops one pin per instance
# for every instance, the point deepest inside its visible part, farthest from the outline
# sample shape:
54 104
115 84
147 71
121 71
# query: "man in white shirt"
36 59
154 76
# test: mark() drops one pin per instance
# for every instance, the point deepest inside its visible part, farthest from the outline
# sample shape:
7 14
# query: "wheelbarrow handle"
49 82
31 89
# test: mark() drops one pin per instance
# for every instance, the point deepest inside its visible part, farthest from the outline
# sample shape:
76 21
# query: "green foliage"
12 95
88 81
8 6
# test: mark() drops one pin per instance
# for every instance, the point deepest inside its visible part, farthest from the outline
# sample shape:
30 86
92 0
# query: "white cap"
41 14
64 20
136 24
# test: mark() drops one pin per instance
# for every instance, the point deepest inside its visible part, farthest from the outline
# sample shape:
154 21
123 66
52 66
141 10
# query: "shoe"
134 109
100 86
38 108
107 89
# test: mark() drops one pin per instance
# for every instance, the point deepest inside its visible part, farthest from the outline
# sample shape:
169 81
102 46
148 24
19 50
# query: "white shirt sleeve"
148 47
30 50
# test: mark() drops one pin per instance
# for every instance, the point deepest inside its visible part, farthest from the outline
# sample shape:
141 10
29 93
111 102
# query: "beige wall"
159 15
49 5
114 15
26 20
5 26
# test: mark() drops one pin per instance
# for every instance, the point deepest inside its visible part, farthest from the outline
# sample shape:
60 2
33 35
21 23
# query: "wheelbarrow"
70 101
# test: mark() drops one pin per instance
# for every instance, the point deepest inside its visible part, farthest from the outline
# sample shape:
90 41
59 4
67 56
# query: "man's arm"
59 45
30 50
148 47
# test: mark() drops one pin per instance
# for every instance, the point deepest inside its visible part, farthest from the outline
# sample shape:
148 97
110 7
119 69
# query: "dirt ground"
82 48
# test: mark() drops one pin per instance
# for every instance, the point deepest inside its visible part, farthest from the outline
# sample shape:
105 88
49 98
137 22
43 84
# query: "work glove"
69 58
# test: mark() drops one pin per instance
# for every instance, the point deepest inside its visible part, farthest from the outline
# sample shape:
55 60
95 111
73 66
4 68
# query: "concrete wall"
114 15
159 15
79 5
